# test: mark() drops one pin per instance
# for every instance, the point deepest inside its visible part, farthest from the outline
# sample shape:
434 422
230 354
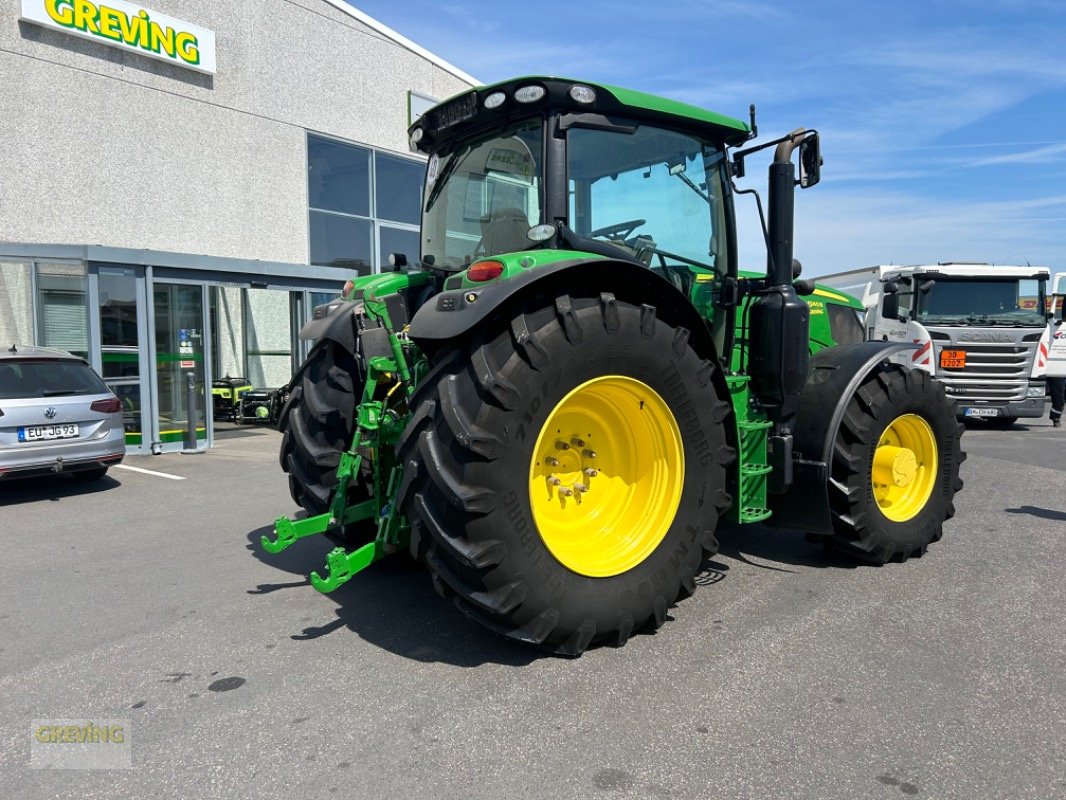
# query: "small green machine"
558 401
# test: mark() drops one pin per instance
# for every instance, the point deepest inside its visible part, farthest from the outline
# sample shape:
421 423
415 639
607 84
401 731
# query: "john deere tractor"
555 403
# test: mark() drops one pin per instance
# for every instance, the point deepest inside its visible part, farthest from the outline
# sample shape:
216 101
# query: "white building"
180 184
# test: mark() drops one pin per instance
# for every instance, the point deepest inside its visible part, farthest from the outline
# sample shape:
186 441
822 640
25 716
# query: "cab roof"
465 113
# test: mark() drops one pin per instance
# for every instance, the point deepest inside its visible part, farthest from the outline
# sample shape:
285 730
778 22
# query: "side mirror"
890 300
810 161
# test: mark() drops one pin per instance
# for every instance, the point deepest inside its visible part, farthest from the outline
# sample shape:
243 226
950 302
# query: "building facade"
181 184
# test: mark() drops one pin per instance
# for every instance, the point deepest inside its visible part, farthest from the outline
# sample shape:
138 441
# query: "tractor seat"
503 230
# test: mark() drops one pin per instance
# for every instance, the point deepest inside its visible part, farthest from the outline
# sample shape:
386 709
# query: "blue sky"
943 123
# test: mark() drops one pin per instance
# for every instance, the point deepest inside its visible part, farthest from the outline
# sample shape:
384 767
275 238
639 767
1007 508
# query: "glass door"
179 351
123 359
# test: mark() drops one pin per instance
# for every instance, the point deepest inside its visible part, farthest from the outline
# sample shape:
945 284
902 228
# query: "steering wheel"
620 230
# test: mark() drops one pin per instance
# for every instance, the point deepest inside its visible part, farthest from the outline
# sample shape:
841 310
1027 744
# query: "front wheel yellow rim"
606 475
905 467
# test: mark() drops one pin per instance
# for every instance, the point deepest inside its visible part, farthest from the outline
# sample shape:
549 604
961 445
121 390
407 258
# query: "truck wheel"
317 423
564 475
895 467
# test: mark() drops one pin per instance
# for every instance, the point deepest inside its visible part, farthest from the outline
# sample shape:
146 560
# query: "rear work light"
111 405
484 271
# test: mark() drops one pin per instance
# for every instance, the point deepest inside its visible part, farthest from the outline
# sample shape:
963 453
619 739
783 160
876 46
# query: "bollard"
190 403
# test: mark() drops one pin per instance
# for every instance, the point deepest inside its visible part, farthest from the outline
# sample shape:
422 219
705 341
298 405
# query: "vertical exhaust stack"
780 321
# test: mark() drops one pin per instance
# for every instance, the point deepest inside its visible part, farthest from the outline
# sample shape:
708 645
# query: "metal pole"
190 403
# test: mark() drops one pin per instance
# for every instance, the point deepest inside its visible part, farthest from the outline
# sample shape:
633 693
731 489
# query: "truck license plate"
40 433
981 412
953 359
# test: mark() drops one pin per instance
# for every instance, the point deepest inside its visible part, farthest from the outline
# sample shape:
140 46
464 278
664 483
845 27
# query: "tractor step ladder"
752 470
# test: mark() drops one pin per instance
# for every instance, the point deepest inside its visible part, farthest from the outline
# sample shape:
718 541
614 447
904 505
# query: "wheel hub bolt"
553 480
591 472
588 453
562 445
565 492
580 487
552 461
577 442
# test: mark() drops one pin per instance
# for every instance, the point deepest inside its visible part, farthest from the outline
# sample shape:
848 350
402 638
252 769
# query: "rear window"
845 325
23 379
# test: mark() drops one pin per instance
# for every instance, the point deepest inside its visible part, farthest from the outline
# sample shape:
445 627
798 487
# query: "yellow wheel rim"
905 467
606 475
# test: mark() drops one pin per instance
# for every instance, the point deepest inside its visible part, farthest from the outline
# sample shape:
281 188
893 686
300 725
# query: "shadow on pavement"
52 488
783 548
1042 513
392 605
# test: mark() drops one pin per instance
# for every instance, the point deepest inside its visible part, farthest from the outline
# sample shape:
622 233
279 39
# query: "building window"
16 303
363 205
61 304
399 188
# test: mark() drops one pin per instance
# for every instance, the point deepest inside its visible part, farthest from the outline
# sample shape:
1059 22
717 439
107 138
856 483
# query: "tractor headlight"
495 100
583 94
530 94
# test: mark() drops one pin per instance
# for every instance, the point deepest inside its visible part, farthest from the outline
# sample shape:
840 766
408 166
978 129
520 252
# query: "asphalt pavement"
789 674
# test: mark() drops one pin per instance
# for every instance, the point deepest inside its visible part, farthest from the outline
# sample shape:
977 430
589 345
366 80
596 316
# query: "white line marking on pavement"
150 472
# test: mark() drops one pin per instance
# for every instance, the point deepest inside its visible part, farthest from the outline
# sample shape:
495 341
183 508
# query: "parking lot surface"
789 674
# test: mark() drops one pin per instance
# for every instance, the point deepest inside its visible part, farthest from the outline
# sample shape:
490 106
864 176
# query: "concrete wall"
101 146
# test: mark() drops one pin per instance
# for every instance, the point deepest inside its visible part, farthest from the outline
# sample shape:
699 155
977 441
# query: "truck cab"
982 330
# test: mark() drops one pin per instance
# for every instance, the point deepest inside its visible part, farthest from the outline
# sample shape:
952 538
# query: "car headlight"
1036 391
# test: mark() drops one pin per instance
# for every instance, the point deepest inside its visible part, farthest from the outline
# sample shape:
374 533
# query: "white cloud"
1041 155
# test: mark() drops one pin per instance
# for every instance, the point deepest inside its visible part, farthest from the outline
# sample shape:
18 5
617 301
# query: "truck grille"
995 372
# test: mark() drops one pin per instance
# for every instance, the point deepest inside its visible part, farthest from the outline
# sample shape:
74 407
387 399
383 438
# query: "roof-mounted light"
583 94
494 100
530 94
415 138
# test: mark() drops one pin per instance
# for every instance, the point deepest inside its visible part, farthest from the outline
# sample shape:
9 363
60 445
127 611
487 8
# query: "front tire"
895 467
564 475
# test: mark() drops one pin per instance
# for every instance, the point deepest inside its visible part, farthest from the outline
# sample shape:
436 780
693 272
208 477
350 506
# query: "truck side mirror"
890 300
810 161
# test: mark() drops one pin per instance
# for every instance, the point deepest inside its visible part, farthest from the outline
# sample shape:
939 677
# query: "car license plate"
981 412
953 359
41 433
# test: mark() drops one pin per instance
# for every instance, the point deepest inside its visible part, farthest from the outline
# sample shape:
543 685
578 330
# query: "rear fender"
835 374
454 315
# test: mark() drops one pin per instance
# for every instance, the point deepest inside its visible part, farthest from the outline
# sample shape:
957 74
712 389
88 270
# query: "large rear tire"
895 467
564 474
317 423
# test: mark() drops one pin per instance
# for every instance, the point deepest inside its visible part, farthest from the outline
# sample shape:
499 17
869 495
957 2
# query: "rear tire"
894 413
317 423
474 490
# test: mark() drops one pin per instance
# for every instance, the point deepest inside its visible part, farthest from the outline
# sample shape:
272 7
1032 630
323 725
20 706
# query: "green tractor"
555 405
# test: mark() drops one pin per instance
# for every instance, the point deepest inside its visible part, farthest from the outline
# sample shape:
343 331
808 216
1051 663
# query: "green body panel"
377 287
663 105
516 263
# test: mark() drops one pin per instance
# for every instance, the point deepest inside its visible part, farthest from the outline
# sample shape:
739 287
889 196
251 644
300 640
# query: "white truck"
982 330
1056 360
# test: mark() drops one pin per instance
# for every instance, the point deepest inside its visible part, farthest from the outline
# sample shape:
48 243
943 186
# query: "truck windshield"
655 194
1012 302
482 198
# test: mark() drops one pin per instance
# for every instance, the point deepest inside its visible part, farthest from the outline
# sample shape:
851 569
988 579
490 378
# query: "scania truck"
982 330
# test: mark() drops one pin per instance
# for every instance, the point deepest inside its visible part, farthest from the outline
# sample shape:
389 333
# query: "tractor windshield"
483 198
655 194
